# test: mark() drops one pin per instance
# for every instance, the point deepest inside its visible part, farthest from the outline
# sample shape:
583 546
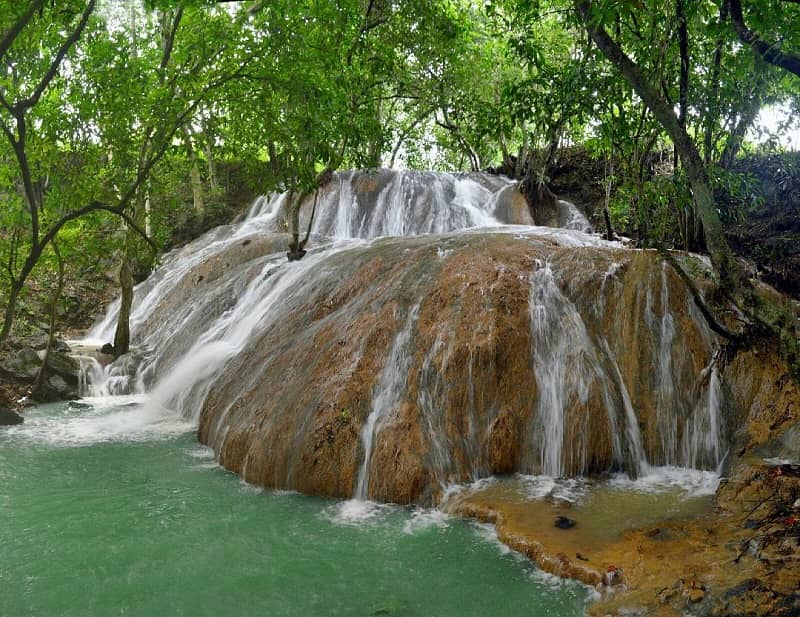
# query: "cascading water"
527 348
563 360
388 391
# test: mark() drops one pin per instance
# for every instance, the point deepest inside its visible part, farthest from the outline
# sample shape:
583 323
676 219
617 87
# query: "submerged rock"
563 522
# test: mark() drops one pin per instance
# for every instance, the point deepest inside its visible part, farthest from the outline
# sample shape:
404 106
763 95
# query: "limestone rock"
467 402
23 364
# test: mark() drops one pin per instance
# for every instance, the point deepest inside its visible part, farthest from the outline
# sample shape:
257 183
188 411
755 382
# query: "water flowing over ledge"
431 336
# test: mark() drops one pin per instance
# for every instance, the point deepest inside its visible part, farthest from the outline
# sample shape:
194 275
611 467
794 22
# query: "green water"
93 523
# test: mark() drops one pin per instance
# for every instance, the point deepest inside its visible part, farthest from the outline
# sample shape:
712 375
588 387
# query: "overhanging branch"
769 51
10 35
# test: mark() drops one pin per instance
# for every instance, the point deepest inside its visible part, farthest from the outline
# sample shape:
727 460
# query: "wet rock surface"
468 405
734 555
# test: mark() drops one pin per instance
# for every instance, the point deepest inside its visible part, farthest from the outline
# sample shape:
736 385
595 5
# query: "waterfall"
521 349
405 203
702 445
567 362
562 355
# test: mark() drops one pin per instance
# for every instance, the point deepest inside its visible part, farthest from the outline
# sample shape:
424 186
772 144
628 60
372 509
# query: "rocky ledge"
19 376
735 554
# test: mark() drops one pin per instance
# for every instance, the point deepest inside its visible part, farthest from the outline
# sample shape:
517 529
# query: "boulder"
64 366
62 378
54 388
23 365
36 341
9 418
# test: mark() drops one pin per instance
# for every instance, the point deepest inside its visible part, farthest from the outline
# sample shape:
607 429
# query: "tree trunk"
194 175
712 110
683 82
731 274
16 287
122 335
295 200
736 138
148 229
42 376
11 310
208 152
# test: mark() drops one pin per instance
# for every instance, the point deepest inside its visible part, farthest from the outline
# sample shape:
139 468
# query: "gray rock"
59 345
9 418
23 365
54 388
63 365
36 341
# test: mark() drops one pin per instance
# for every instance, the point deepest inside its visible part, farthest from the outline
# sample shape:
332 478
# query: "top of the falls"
378 203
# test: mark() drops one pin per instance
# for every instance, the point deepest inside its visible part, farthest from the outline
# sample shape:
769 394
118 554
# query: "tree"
96 102
721 255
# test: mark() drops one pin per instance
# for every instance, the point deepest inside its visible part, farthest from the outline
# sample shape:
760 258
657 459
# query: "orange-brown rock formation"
289 410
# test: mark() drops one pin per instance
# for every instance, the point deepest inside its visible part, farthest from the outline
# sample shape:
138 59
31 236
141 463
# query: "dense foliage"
117 116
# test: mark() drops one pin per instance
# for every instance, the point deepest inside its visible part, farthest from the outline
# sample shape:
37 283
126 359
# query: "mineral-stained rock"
473 394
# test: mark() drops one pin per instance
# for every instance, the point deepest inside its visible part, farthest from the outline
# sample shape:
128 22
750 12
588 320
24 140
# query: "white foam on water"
425 518
203 456
453 491
488 533
200 451
573 490
356 512
692 482
109 419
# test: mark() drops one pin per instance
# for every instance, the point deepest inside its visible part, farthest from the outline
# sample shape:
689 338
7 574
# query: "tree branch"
708 315
769 51
30 102
169 39
12 33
